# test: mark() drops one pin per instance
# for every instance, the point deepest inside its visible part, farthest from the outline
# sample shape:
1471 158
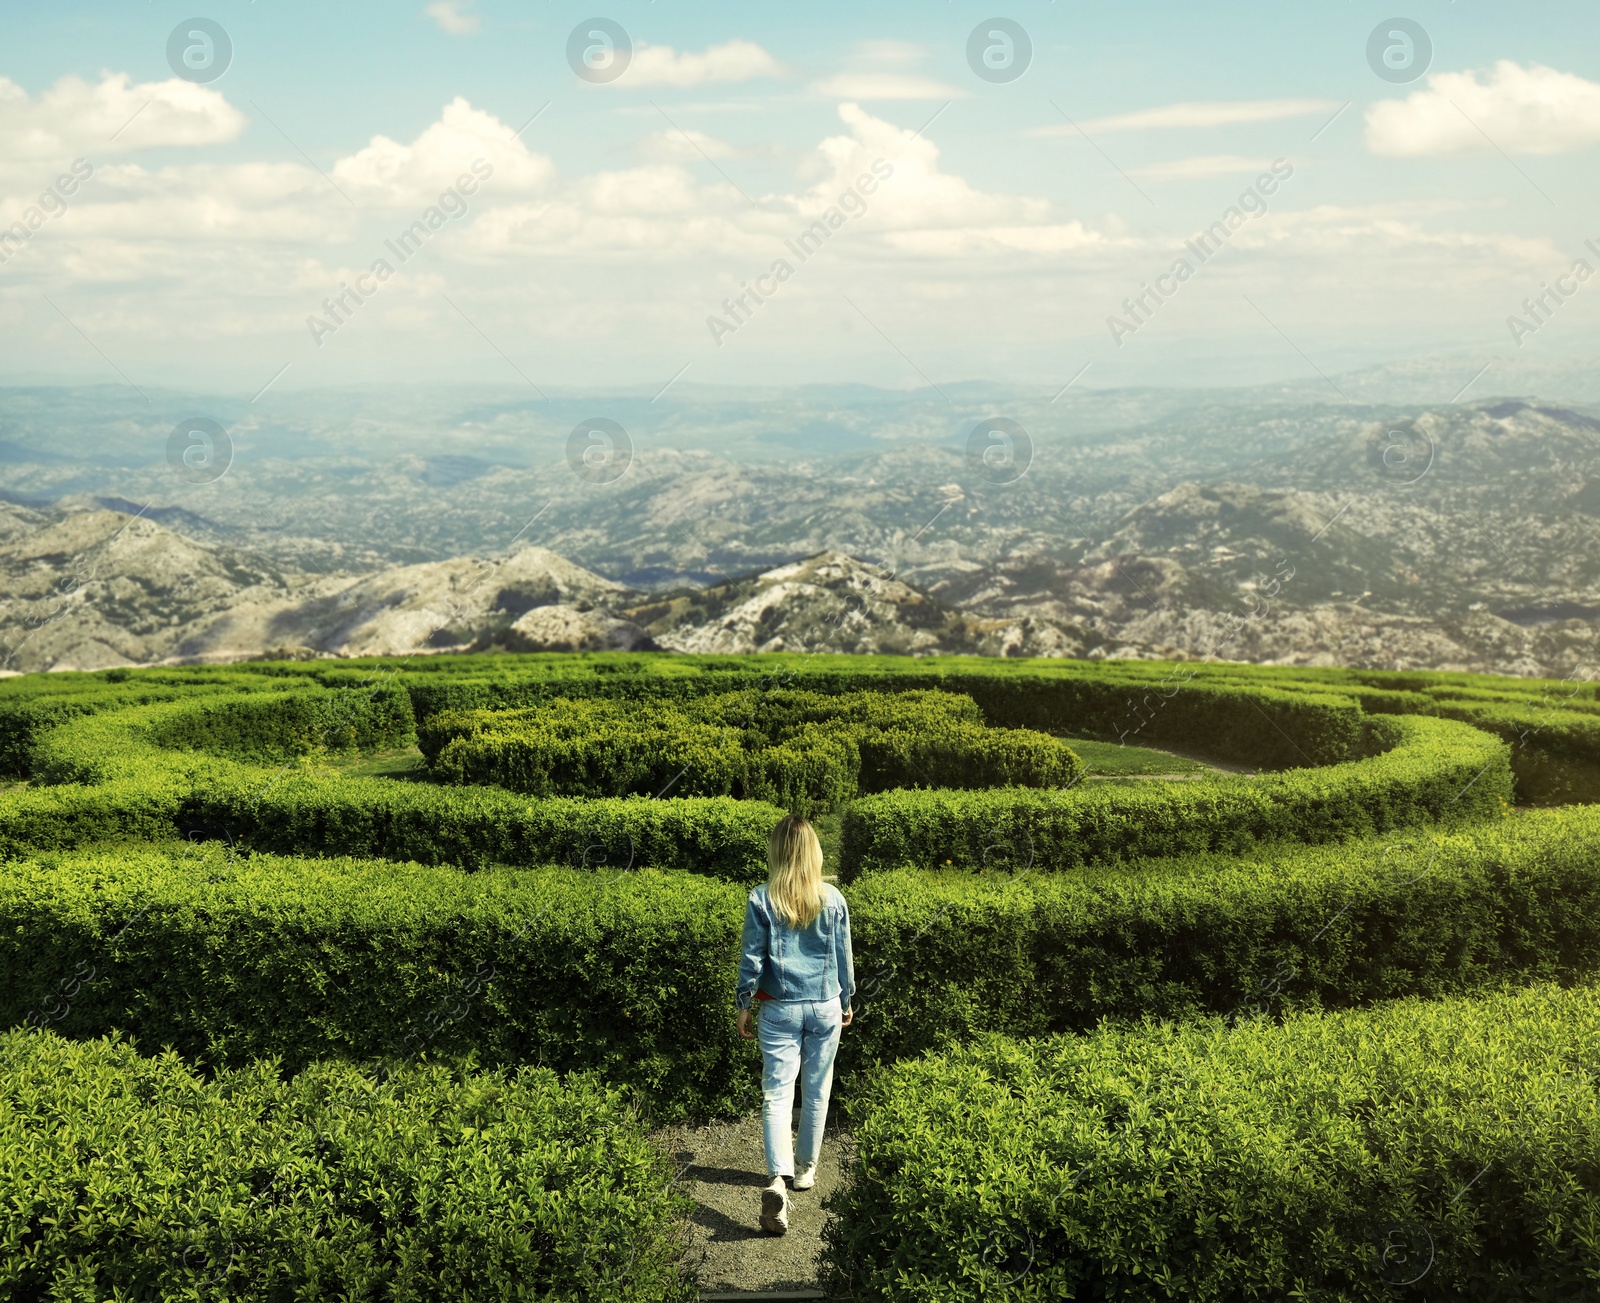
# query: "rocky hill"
1262 526
94 589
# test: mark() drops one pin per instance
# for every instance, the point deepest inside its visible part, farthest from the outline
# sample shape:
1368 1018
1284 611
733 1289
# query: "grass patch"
1117 760
830 828
407 764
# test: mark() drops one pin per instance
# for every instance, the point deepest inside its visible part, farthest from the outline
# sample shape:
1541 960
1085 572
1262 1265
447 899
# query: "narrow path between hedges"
725 1173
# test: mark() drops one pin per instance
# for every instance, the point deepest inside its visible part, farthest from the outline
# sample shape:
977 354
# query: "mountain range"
1262 527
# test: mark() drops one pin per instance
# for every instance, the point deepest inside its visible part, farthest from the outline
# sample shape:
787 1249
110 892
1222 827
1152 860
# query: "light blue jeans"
798 1038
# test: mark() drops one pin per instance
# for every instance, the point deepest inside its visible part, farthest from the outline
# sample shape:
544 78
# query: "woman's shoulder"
831 895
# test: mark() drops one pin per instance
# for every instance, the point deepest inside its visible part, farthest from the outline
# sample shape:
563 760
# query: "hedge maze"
1320 1028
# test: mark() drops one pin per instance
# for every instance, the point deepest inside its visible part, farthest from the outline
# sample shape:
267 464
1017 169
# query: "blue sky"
1414 219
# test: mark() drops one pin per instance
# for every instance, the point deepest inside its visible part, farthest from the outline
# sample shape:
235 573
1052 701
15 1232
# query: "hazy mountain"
1122 522
86 590
834 603
93 589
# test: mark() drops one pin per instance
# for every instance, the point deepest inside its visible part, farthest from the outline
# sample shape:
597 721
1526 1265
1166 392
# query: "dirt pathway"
724 1176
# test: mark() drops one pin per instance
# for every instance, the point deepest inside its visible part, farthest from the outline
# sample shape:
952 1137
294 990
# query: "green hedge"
281 726
1435 771
940 957
1435 1151
299 813
25 719
1555 754
108 775
233 959
593 748
799 749
632 974
1552 728
270 727
1230 710
54 818
131 1178
1159 704
476 827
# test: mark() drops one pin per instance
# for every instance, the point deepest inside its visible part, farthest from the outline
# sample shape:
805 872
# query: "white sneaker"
807 1178
775 1208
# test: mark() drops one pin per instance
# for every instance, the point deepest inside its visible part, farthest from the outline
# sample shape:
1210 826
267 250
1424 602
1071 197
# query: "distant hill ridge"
97 588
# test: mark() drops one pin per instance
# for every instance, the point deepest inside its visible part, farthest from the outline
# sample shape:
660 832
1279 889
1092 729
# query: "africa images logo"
1252 203
852 203
405 246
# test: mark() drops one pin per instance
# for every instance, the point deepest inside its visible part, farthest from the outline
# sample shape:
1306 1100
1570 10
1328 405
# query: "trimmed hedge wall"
1554 755
131 1178
1444 1150
25 720
477 827
282 726
191 734
1143 700
233 959
107 776
1258 723
633 974
799 749
1437 771
940 957
294 809
297 813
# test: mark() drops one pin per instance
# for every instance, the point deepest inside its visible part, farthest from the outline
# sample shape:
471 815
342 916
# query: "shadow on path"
725 1176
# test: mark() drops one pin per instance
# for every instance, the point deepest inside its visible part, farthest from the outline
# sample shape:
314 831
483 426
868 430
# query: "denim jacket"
813 963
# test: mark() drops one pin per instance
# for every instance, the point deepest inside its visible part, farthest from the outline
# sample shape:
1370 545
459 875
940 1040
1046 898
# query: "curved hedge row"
798 749
147 787
1552 726
114 775
1253 723
232 959
1555 756
943 957
123 1177
1436 771
1127 699
630 974
1450 1149
31 709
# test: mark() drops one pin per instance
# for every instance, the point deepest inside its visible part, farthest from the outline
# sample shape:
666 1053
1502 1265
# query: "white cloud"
244 250
1533 110
453 16
890 54
275 202
886 86
1201 166
690 146
387 172
922 209
115 116
684 146
1201 113
663 212
736 60
1327 236
134 223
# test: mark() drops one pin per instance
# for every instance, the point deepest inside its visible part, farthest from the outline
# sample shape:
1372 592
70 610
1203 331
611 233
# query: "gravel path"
726 1171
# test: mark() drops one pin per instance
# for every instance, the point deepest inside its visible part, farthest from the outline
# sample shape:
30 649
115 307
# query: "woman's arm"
846 963
752 952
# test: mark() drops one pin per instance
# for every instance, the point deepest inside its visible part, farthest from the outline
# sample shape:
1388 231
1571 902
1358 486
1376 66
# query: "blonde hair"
794 878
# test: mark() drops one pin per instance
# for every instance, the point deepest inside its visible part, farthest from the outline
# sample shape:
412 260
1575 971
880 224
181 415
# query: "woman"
796 960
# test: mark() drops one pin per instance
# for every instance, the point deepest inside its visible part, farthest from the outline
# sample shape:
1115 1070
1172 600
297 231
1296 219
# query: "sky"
190 193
